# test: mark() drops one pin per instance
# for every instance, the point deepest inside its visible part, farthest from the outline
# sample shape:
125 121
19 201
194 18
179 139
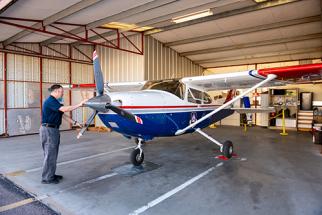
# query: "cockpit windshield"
173 86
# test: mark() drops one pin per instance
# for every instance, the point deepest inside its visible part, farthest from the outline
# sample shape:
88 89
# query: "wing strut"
269 78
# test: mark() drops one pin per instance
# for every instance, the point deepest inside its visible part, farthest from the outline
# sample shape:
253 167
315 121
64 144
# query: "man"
52 113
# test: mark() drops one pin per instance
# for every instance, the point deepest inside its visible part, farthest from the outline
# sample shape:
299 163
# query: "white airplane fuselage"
163 113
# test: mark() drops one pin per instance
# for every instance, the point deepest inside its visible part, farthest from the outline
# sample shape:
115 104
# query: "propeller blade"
125 114
88 122
98 75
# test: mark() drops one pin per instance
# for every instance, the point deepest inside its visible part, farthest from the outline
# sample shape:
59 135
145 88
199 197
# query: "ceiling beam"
7 6
253 44
259 6
166 19
122 15
53 18
259 55
247 30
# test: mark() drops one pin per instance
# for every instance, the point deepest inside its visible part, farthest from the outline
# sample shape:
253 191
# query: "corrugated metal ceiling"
161 16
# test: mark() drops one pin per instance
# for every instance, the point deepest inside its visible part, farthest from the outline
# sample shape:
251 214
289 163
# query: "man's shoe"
59 177
53 181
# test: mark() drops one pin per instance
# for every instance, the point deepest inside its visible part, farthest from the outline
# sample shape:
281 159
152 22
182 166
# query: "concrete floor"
271 175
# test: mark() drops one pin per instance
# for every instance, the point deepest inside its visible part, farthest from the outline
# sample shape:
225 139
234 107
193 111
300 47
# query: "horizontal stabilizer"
254 110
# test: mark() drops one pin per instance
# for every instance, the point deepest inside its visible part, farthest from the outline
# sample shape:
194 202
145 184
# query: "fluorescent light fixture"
4 3
192 16
126 26
259 1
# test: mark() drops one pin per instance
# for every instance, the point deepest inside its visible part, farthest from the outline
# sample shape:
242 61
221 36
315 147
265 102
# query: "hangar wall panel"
81 73
22 68
1 96
23 74
120 66
55 71
164 63
58 50
1 121
86 49
1 67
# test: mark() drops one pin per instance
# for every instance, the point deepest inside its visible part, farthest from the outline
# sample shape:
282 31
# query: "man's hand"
83 102
73 107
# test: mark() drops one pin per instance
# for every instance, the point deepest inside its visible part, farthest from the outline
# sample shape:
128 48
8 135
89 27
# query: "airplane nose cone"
99 103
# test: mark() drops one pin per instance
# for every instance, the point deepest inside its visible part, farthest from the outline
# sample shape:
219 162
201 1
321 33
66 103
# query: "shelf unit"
285 99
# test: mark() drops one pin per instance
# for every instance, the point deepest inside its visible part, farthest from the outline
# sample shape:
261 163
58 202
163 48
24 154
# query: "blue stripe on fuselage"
159 124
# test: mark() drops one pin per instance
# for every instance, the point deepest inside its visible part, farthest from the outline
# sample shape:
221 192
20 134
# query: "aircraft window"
171 86
199 97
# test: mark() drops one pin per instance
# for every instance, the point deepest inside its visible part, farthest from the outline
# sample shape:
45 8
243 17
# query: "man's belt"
50 125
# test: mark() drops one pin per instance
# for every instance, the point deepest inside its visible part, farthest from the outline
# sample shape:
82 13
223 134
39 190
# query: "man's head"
56 91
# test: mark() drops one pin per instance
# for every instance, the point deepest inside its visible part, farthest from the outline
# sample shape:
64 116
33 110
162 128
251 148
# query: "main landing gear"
137 156
226 148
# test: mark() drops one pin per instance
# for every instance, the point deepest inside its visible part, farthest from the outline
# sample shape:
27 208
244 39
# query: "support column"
5 59
40 80
70 82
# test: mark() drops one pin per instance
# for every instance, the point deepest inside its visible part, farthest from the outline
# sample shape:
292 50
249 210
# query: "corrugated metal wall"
163 63
23 86
1 96
82 73
56 72
120 66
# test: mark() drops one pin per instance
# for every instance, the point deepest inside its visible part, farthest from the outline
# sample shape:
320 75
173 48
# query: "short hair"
54 87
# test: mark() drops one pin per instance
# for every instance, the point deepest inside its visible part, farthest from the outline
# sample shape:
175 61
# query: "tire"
137 141
228 149
135 157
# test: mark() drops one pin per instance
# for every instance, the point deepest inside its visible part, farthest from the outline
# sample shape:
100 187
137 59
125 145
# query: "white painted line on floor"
174 191
74 187
31 200
20 172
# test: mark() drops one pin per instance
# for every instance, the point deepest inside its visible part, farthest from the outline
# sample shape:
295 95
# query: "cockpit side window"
171 86
199 97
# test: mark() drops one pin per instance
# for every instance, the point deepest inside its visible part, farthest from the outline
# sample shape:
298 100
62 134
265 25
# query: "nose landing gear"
137 156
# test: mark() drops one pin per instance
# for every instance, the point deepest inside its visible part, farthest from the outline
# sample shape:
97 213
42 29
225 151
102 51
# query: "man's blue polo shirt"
50 111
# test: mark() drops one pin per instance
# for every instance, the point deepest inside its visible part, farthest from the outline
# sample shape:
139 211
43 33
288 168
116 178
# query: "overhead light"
4 3
143 28
259 1
119 25
192 16
126 26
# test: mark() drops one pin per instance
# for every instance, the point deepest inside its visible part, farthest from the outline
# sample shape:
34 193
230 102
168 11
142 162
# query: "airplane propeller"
102 102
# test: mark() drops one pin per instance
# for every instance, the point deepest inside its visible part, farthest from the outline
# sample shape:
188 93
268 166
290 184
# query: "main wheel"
136 159
228 149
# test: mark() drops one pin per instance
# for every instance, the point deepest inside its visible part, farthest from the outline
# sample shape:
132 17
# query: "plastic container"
317 136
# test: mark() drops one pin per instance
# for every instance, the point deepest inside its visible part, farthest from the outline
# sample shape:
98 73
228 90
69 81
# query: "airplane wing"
252 79
247 79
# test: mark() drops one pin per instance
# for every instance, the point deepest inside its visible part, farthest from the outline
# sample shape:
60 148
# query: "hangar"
257 62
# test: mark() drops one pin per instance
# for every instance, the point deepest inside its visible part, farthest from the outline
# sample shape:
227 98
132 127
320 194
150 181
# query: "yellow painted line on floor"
16 173
40 198
16 204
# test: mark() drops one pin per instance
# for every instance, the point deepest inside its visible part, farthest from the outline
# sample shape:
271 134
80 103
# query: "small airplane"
164 108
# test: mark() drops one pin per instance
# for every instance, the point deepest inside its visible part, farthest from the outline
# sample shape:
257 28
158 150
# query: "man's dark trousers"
50 140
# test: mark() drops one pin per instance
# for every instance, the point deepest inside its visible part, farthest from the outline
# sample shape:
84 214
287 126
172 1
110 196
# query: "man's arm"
72 107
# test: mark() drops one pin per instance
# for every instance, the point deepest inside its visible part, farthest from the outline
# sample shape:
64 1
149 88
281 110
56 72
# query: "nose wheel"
137 156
